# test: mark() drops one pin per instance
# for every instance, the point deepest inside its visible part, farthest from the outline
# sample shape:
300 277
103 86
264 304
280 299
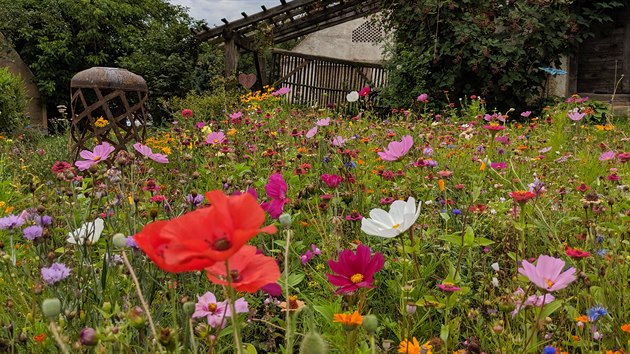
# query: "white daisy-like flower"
401 216
89 233
352 96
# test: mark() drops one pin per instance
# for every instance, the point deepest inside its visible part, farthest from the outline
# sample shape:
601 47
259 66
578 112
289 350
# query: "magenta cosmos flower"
148 153
276 189
100 153
397 149
355 270
548 274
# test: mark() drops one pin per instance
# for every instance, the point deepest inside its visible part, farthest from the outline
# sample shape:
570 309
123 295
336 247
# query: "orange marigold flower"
414 347
348 321
626 328
583 319
40 337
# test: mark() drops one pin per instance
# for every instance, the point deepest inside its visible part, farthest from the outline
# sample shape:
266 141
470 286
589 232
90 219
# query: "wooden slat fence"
322 81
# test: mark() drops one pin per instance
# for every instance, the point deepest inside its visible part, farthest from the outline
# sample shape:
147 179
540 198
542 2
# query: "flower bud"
411 308
107 307
88 336
285 220
119 240
370 324
51 307
313 343
189 308
136 317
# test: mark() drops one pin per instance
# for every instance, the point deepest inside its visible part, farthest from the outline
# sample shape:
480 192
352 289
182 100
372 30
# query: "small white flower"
495 266
495 282
89 233
402 215
352 96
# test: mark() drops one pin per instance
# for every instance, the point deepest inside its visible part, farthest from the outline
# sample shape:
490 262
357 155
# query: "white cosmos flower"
89 233
402 215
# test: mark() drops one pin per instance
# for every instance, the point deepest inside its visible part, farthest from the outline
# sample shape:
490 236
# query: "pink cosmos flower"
338 141
548 274
365 91
526 114
532 300
576 116
323 122
276 189
281 91
607 156
331 181
215 138
148 153
236 115
397 149
215 312
355 270
424 98
100 152
311 132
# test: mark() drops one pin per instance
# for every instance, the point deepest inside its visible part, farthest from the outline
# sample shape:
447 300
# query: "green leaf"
482 241
444 331
249 348
469 237
453 239
551 308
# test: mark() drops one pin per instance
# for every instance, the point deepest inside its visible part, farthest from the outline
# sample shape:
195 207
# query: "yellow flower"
101 122
166 150
231 131
348 321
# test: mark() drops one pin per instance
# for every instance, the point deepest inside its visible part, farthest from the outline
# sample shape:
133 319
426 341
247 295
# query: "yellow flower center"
395 226
549 284
216 141
97 158
212 307
357 278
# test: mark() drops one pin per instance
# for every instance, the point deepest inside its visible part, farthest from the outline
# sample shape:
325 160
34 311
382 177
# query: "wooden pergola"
287 21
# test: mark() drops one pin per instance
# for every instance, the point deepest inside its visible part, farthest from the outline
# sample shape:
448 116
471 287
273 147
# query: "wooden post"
261 67
231 55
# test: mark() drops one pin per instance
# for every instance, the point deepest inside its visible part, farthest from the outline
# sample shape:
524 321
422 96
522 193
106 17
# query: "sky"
214 10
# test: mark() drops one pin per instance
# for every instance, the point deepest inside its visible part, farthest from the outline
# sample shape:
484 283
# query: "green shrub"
204 106
13 101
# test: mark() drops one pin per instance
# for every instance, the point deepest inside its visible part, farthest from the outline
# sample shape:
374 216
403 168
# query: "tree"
490 48
58 38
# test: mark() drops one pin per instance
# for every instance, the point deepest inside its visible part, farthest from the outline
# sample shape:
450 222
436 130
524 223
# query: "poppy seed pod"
51 307
313 343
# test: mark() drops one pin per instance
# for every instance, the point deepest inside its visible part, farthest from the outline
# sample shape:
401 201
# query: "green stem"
231 300
372 344
13 258
287 336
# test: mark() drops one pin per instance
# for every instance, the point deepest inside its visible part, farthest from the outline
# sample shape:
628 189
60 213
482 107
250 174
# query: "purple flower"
44 220
215 138
607 156
424 98
548 274
355 270
323 122
194 201
311 132
236 115
427 151
11 222
338 141
101 152
308 255
526 114
200 125
55 273
498 165
576 116
215 312
276 189
148 153
397 149
32 232
130 242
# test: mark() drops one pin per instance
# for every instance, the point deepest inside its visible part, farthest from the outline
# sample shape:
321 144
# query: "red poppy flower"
250 271
198 239
153 244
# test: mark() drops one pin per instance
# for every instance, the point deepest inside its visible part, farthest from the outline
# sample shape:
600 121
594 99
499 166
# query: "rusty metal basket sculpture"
108 104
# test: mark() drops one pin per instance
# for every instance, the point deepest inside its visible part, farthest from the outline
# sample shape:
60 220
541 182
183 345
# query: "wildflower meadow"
276 228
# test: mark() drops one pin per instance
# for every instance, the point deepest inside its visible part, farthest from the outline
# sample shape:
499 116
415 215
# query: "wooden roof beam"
243 22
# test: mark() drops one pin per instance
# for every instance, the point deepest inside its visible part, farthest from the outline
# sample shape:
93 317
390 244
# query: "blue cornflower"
602 252
549 350
350 164
456 211
594 313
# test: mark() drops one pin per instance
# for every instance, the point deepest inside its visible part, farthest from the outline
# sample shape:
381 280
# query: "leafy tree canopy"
58 38
490 48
